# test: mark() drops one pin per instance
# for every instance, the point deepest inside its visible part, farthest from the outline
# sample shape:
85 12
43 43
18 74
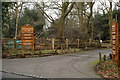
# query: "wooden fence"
41 43
48 44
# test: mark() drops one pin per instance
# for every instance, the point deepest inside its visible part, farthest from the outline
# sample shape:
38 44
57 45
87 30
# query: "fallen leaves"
108 70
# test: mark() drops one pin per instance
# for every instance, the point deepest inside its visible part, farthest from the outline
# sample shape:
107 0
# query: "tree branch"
45 14
69 10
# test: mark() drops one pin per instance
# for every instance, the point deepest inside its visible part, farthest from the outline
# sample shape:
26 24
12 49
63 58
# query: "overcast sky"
52 12
56 0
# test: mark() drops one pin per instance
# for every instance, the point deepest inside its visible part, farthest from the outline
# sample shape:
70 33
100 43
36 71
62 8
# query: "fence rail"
47 44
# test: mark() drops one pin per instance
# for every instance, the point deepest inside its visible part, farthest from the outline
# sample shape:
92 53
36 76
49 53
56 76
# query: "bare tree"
17 13
66 9
42 8
110 20
89 16
80 7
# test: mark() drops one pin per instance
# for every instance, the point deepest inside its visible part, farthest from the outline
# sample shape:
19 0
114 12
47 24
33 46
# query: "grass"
94 62
16 52
47 51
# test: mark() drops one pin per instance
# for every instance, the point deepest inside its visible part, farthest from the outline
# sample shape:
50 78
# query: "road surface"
11 76
80 65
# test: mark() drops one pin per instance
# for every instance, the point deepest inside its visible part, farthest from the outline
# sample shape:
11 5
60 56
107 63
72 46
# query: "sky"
95 7
54 0
52 12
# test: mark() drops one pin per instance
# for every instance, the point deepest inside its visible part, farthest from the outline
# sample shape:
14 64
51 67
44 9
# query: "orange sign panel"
115 41
27 41
27 29
114 52
113 47
113 32
27 36
113 36
113 28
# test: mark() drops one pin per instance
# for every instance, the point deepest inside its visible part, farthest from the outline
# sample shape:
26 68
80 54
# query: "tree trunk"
110 21
16 24
17 16
88 29
66 9
60 28
81 13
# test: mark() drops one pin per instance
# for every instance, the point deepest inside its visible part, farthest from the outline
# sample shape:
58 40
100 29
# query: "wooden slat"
23 38
28 41
26 35
27 44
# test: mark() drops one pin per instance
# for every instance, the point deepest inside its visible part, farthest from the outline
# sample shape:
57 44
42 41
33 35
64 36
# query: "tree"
7 19
11 12
17 14
100 23
84 11
34 18
66 9
81 7
109 11
110 20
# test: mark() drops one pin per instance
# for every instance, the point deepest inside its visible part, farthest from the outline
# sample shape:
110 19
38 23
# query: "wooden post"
115 41
66 43
14 43
119 64
22 48
110 56
53 43
104 58
100 59
78 43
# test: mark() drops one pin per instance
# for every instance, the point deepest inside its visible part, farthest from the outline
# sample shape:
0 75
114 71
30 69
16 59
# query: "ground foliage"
108 70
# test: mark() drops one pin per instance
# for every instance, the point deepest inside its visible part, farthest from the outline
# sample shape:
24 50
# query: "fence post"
53 42
104 58
14 43
100 59
78 43
66 43
110 56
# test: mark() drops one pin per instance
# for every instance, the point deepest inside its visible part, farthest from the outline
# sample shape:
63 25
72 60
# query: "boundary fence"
48 44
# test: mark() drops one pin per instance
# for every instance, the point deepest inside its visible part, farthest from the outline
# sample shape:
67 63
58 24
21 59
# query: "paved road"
61 66
10 75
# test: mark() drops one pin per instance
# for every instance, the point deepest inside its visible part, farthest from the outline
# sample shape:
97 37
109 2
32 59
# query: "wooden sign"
27 41
30 44
27 29
27 36
115 41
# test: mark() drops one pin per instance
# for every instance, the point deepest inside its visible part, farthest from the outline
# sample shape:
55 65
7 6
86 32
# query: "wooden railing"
48 44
